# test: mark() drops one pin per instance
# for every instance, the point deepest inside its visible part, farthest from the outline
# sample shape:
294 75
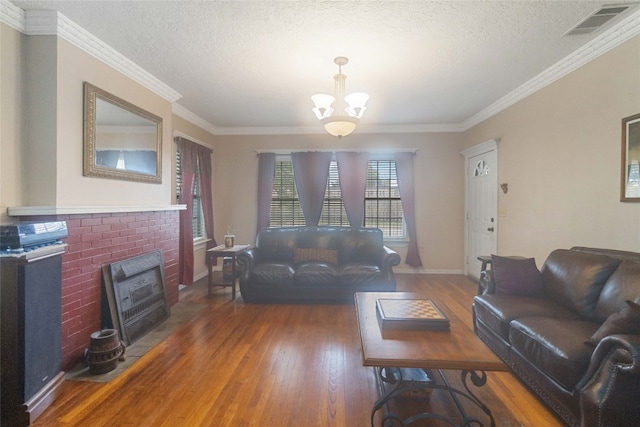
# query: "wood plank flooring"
237 364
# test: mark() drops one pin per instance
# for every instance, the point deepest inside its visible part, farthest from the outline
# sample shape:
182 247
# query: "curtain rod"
320 150
178 134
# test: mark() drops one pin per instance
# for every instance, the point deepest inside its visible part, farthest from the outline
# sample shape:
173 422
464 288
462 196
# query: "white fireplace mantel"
79 210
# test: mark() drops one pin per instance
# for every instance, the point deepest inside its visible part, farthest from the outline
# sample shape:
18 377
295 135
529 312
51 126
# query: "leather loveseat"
575 340
316 265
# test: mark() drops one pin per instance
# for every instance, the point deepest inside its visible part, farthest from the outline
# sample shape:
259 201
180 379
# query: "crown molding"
42 22
81 210
318 130
373 152
86 41
608 40
282 130
615 36
481 148
52 23
180 111
435 128
12 15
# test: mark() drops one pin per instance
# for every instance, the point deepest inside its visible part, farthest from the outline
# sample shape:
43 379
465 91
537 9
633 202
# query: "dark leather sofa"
543 338
316 265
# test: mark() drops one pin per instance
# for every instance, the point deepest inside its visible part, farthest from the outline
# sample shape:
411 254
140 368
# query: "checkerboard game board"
410 314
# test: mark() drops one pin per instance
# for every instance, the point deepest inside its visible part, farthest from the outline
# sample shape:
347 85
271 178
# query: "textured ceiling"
254 64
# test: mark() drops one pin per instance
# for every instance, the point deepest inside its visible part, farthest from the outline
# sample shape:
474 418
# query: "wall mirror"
121 140
630 168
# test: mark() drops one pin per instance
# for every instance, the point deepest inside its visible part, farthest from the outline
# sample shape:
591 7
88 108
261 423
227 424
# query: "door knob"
490 229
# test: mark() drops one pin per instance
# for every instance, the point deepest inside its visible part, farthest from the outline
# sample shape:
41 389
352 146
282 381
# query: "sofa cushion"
315 274
329 256
626 321
575 279
355 274
272 274
326 237
555 347
361 245
516 276
623 285
497 311
276 245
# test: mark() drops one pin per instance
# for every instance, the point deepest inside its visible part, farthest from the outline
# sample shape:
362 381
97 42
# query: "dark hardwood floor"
237 364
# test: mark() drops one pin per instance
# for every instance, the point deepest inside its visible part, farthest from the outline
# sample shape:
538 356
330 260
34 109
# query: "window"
383 206
198 216
197 223
285 205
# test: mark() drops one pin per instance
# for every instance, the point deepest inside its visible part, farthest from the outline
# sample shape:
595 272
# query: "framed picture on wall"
630 170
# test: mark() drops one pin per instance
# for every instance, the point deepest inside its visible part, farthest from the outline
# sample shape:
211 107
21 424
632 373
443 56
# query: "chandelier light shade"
340 114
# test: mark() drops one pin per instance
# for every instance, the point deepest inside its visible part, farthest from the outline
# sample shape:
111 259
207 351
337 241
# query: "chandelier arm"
348 109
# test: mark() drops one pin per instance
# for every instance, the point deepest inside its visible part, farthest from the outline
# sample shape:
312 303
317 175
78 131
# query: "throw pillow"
330 256
516 276
626 321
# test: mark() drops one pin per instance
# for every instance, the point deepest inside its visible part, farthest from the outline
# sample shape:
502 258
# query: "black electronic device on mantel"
25 235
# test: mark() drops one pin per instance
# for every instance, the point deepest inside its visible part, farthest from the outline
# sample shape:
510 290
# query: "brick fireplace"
97 239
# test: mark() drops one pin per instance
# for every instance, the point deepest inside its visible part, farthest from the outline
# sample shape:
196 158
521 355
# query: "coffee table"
390 351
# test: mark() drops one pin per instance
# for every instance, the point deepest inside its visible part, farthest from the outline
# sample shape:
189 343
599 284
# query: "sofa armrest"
389 258
486 284
246 261
611 386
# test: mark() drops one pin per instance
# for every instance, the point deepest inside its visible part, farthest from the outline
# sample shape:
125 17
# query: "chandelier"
348 109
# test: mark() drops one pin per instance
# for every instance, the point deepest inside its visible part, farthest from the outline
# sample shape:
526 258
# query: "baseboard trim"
421 270
45 397
403 270
203 275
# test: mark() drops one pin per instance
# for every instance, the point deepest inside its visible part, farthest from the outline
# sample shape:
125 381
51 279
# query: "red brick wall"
98 239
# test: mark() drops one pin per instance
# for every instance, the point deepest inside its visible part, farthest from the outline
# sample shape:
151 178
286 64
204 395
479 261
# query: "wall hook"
505 187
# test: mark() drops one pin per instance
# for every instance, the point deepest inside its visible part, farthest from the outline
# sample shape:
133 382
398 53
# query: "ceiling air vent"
597 19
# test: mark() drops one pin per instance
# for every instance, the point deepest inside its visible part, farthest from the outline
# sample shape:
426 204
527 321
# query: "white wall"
42 127
560 153
439 186
39 116
12 126
74 67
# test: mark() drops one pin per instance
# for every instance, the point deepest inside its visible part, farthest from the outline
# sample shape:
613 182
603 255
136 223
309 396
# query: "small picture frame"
630 167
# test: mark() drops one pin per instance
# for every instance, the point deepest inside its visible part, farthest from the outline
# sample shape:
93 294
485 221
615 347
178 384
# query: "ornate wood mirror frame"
121 140
630 169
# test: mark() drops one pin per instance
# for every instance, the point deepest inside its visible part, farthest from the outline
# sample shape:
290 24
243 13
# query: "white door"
482 207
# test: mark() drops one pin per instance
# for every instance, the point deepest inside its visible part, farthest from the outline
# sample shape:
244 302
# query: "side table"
485 260
222 251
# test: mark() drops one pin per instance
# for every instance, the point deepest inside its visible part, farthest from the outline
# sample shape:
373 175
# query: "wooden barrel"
105 350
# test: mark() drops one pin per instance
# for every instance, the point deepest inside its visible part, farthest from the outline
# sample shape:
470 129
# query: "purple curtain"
266 171
404 170
310 173
204 165
352 170
188 164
